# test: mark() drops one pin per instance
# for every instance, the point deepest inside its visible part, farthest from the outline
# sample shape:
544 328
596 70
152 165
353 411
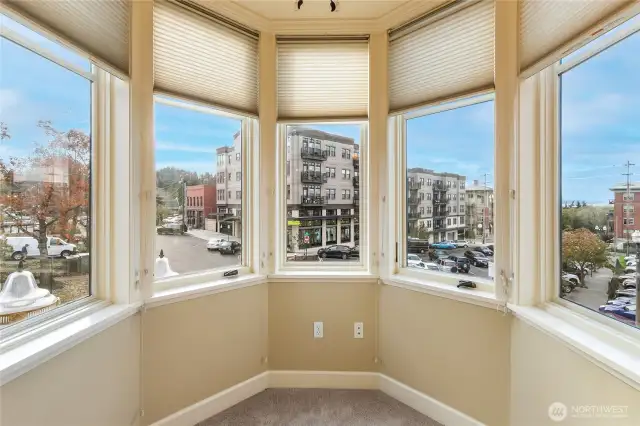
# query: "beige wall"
95 383
544 371
454 352
196 348
293 307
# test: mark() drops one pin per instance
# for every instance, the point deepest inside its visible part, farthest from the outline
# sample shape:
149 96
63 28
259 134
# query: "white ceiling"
320 9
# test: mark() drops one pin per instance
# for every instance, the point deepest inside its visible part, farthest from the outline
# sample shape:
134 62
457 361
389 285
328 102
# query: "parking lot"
478 272
189 254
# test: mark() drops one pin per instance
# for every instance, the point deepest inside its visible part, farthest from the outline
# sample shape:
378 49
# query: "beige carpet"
320 407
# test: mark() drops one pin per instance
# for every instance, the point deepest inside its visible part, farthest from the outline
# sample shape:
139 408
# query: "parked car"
477 258
230 247
415 245
214 243
444 245
447 265
355 252
172 228
413 259
571 277
23 247
484 250
437 254
464 265
336 251
431 266
626 311
462 243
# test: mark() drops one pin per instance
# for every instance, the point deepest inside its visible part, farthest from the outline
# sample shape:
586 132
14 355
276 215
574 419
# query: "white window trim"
329 269
28 343
401 273
212 278
606 342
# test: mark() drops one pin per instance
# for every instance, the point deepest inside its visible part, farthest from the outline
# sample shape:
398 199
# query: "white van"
55 247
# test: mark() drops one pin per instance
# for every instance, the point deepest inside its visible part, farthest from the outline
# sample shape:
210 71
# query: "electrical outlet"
318 331
358 330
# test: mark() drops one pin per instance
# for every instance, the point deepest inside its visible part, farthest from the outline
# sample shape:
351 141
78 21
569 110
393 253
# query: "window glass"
450 154
332 234
193 147
45 175
600 154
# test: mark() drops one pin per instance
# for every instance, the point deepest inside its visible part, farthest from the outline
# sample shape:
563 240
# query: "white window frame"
608 343
283 268
486 288
112 274
249 193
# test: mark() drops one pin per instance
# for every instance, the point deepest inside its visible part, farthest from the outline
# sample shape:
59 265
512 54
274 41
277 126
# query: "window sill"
179 294
32 353
614 351
321 276
473 296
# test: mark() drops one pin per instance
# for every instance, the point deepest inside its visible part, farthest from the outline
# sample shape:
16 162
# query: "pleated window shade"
99 28
447 53
323 78
545 26
205 59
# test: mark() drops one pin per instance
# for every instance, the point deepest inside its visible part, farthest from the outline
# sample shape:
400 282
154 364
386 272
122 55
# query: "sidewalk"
203 234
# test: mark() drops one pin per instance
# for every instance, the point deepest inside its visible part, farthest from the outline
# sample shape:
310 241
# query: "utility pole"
625 212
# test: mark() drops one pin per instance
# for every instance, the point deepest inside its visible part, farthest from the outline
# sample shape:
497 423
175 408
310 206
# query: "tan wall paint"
95 383
293 307
544 371
454 352
196 348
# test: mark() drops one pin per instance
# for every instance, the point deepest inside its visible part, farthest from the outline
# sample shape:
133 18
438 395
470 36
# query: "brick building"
201 201
626 209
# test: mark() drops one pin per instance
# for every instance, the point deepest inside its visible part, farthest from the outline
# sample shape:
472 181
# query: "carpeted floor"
320 407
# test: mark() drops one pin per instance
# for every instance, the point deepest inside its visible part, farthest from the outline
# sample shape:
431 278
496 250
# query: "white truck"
56 247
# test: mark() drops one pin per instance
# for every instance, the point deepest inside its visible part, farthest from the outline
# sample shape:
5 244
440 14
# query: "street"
474 271
189 254
596 292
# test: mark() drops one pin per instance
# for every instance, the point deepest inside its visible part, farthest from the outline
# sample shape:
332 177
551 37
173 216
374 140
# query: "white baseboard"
426 405
219 402
323 379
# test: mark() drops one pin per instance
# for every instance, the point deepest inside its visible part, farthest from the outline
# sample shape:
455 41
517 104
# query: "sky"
600 120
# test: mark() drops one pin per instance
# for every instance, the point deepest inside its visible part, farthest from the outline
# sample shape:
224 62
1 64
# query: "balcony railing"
414 215
411 185
439 201
313 154
356 181
312 200
440 187
414 201
313 177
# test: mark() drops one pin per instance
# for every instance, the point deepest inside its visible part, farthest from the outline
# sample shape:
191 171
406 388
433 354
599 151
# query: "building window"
346 154
591 143
238 176
421 210
229 177
46 203
288 192
447 143
461 197
462 221
332 151
229 195
237 156
332 172
462 209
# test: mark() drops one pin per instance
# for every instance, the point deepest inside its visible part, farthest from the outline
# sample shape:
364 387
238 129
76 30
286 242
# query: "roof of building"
479 188
619 187
319 134
433 172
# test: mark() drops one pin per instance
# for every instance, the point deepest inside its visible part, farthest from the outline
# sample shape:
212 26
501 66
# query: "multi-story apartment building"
229 188
626 210
201 202
323 195
435 205
480 211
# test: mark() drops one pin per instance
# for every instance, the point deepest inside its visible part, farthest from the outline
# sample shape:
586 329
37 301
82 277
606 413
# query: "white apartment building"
229 187
480 209
323 196
435 205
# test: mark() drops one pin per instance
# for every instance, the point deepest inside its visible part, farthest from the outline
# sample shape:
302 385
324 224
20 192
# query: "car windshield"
226 243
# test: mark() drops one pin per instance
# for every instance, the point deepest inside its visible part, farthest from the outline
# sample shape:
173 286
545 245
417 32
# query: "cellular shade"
204 57
100 28
448 52
326 78
546 26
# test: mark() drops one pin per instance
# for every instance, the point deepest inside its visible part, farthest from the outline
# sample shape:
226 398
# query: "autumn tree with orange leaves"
584 250
47 192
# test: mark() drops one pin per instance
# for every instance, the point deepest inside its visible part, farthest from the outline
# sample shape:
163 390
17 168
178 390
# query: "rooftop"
319 134
633 186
